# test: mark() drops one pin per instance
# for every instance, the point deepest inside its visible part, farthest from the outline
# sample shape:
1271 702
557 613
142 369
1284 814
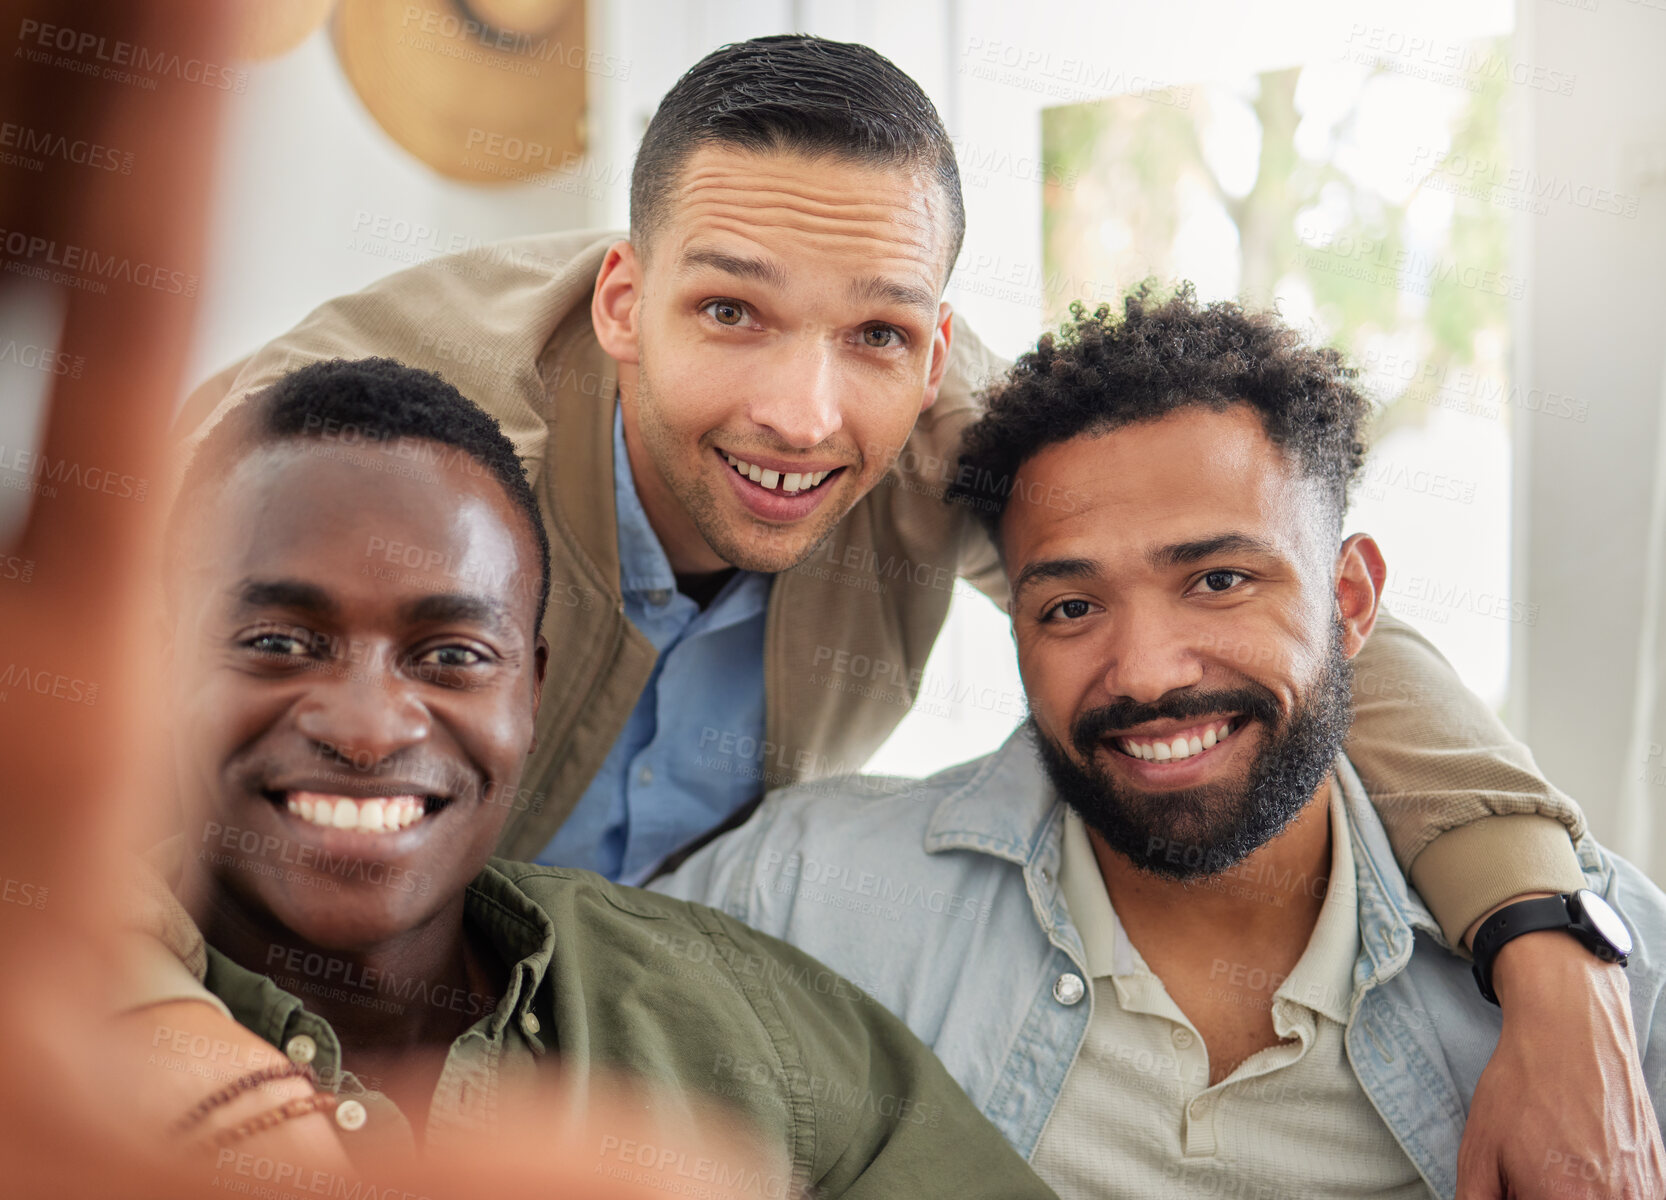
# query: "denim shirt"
941 898
665 782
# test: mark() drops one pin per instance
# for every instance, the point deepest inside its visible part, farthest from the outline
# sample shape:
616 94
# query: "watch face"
1603 919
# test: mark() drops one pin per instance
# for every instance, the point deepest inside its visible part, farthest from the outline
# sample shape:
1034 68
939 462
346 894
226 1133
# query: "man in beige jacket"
767 356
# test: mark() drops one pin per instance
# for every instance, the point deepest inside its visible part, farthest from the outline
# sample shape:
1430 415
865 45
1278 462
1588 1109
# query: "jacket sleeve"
481 319
1472 820
889 1119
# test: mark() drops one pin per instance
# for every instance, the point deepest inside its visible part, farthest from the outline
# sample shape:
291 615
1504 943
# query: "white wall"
1596 329
314 200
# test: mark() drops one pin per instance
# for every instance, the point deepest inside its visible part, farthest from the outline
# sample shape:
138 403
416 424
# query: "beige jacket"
509 325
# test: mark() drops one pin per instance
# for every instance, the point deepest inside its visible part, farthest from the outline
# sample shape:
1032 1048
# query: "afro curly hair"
1100 373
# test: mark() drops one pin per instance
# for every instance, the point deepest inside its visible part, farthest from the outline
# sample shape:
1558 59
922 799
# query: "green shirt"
661 991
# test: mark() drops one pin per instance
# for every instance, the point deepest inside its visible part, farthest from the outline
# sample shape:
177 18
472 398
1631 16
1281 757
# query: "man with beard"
1160 936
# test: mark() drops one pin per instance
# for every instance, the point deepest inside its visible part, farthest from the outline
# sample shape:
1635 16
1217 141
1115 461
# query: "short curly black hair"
1100 373
358 403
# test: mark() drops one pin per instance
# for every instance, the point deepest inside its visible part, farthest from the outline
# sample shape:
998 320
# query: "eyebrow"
894 291
1053 568
311 599
1180 554
462 607
762 270
285 593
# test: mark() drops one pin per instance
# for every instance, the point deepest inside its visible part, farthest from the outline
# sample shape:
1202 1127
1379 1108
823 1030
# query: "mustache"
1093 726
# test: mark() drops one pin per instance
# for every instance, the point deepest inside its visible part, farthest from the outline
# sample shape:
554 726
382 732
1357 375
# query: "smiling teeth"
1178 747
788 484
376 814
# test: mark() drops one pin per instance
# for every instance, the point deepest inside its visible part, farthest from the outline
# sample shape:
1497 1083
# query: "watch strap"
1509 923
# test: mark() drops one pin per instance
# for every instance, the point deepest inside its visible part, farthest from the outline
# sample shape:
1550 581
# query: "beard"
1196 832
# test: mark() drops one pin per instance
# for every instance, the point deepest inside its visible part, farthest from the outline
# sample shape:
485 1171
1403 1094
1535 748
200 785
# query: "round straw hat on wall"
487 91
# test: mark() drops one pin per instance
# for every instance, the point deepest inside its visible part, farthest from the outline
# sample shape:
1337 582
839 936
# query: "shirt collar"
643 566
1389 910
1323 978
1002 810
1006 807
516 929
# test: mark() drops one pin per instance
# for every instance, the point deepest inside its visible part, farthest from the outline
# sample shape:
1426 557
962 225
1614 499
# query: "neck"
684 545
1266 905
376 998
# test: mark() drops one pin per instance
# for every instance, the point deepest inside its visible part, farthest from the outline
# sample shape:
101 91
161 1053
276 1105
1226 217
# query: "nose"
799 400
1148 653
364 716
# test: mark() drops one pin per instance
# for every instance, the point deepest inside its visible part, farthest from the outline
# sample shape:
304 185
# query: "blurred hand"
80 1105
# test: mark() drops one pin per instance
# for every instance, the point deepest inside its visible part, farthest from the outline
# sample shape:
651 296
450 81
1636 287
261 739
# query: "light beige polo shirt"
1137 1117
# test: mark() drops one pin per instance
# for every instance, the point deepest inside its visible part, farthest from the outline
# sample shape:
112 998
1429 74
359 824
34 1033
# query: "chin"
768 554
341 920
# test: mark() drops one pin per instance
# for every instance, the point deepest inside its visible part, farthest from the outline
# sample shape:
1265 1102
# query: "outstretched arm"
1476 826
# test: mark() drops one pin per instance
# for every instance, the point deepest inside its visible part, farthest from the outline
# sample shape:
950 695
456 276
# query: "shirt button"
301 1049
1183 1038
659 597
1046 875
1069 989
530 1022
645 775
350 1115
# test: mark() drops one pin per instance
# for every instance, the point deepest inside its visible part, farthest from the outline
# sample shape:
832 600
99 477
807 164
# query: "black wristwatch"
1584 914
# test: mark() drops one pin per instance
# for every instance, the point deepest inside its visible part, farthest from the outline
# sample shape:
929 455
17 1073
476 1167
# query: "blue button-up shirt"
661 785
942 901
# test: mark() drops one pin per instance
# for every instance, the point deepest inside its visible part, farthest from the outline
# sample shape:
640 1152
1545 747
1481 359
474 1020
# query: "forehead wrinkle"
857 206
876 247
853 185
834 220
911 216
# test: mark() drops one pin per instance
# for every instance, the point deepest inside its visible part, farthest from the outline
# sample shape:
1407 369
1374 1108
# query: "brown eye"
452 656
880 337
726 312
1068 610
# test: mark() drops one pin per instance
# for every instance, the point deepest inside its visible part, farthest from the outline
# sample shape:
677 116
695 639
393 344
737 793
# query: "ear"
1360 573
540 664
940 339
615 303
